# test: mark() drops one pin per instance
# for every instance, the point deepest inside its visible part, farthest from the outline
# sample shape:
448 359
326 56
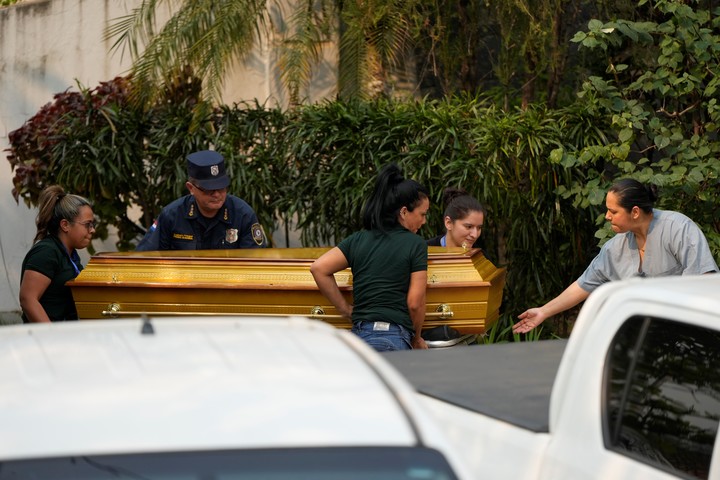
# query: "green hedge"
316 164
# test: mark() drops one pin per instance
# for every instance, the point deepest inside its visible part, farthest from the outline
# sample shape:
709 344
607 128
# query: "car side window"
662 394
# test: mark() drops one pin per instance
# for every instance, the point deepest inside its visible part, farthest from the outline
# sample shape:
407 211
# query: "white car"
209 398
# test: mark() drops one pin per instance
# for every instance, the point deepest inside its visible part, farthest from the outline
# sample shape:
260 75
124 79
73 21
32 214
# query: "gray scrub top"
674 246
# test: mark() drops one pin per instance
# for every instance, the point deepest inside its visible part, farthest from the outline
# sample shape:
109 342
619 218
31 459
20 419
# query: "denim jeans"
383 336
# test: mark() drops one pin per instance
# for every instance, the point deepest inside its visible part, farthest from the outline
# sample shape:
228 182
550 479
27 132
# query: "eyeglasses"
209 191
88 225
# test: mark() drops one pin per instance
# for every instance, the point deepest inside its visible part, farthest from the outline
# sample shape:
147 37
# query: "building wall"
49 46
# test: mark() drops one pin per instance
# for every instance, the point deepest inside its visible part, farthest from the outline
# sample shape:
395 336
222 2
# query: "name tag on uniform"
381 327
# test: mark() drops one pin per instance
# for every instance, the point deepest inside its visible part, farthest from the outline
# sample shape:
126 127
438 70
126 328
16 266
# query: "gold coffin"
464 288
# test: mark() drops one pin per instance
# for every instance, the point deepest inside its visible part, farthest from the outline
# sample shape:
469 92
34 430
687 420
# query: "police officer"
208 218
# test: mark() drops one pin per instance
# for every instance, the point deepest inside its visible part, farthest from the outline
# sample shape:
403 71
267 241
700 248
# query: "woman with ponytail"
65 224
388 261
648 243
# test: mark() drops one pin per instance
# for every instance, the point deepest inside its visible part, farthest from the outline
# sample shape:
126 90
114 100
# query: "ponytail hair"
392 192
631 193
459 204
54 206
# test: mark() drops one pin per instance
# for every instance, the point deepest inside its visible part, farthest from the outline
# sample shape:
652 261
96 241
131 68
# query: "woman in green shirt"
388 261
65 224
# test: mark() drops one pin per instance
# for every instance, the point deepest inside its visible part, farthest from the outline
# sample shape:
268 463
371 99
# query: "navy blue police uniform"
181 226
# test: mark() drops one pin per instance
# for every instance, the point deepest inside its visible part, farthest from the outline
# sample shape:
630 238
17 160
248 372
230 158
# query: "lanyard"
74 259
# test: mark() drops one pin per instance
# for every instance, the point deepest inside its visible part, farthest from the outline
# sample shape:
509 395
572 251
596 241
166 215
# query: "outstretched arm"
323 270
533 317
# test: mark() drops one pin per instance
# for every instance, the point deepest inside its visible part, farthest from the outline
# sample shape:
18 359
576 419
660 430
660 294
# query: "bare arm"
416 305
33 287
533 317
323 270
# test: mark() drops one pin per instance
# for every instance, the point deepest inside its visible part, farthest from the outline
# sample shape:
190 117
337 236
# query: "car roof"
696 292
95 387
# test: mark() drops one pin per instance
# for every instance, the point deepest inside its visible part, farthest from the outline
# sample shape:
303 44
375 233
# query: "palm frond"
354 66
206 35
381 26
135 30
310 27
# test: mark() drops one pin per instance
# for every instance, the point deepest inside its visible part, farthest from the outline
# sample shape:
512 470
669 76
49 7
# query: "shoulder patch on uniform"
258 233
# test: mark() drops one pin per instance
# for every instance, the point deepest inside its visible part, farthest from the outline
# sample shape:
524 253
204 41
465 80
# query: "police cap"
207 168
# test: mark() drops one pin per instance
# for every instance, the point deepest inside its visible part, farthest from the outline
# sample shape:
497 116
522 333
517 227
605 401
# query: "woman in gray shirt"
649 243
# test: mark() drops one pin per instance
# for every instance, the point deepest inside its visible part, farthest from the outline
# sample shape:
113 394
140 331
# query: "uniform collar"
192 212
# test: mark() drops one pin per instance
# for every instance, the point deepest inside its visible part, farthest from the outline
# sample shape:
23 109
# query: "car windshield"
388 463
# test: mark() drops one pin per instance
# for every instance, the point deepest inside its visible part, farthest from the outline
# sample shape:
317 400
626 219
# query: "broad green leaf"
661 141
556 155
625 134
595 25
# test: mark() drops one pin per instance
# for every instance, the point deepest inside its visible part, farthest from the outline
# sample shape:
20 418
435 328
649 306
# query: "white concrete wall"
48 45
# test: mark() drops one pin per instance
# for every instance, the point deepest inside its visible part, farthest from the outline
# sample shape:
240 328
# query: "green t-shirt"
381 265
49 257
